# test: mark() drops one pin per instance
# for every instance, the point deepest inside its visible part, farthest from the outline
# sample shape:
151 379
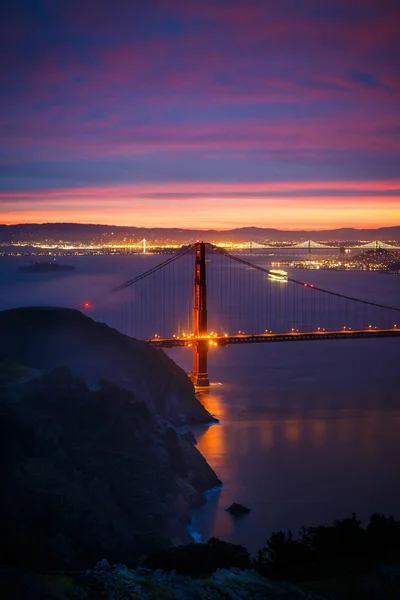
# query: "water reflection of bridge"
234 302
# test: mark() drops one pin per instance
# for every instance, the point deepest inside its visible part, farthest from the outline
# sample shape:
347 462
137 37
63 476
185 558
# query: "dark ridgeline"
87 234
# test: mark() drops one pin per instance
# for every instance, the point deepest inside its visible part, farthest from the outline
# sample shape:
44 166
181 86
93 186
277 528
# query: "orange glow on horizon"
213 205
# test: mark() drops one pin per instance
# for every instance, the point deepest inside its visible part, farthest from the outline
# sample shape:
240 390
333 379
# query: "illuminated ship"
278 274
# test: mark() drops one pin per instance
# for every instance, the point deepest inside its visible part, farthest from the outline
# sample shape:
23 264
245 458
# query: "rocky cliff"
47 337
92 470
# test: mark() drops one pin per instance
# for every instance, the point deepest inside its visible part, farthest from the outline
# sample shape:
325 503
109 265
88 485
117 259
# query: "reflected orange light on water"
318 428
213 402
292 430
212 444
267 434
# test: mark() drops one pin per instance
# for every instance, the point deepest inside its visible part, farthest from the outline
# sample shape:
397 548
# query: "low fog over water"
308 432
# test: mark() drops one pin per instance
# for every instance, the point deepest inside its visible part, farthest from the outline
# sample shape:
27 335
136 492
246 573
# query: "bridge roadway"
292 336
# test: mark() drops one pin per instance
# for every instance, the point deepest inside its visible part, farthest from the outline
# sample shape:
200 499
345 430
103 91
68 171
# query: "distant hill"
54 233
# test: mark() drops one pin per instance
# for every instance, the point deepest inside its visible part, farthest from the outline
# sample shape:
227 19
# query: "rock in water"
236 509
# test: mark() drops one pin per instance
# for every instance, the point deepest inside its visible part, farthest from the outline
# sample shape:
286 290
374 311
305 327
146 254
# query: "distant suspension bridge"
310 245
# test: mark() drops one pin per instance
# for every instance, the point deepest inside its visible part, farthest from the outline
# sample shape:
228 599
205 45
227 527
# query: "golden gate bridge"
203 296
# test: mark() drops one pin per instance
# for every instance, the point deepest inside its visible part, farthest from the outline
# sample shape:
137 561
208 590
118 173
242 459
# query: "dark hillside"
44 338
89 473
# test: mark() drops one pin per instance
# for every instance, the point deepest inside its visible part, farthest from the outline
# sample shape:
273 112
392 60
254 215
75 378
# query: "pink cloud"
55 134
211 188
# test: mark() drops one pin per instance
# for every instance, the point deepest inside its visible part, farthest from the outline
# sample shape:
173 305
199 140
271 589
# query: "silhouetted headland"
47 337
95 466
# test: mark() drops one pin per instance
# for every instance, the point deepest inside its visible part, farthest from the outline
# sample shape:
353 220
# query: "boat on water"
278 274
45 267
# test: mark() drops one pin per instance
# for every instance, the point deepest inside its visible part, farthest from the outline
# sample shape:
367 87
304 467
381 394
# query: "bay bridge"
203 296
313 246
310 245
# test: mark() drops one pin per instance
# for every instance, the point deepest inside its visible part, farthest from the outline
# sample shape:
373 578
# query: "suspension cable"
296 281
147 273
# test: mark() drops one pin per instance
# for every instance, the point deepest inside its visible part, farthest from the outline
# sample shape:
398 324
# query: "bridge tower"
200 374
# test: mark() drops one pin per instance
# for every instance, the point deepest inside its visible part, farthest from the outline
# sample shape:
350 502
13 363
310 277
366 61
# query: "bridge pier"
199 374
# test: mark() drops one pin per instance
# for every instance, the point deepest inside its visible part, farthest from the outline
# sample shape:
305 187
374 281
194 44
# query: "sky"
201 113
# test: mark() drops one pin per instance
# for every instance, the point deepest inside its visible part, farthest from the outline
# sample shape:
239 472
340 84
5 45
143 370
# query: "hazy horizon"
193 228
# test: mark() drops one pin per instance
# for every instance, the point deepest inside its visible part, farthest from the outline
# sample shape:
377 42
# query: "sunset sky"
201 113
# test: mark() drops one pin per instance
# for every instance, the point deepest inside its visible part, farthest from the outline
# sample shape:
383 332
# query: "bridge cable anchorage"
130 282
297 282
